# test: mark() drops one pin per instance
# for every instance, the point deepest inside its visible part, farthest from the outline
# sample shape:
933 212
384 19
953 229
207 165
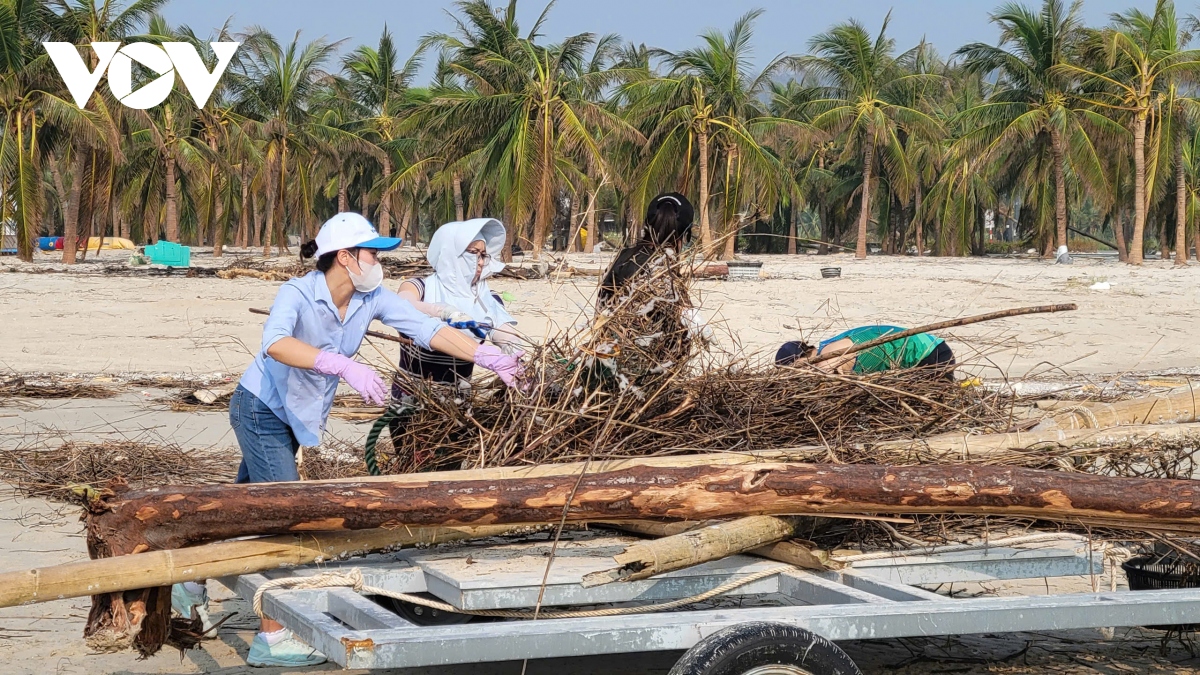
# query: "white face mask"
370 278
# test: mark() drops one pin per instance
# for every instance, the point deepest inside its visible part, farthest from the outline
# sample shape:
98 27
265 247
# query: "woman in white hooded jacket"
463 255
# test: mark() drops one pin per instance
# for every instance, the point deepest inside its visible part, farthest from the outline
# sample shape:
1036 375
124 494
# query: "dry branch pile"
643 379
64 473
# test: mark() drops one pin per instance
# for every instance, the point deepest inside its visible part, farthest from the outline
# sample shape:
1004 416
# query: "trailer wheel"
424 616
762 648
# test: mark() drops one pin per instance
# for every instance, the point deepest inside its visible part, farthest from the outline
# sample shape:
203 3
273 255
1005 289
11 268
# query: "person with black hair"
283 400
668 225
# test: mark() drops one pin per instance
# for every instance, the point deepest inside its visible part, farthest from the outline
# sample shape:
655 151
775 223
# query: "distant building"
8 239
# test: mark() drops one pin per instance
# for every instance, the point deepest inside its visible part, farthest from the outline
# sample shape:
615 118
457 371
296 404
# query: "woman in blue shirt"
283 400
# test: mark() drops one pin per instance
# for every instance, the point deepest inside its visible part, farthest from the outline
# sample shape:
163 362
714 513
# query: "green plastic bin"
169 254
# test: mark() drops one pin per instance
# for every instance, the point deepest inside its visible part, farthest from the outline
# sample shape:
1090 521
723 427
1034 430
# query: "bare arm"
453 342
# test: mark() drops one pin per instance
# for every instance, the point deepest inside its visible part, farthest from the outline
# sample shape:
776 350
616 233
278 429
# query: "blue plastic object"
479 329
169 254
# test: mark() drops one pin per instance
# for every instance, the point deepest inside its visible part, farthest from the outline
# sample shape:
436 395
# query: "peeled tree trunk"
864 215
695 488
167 517
1139 188
1060 186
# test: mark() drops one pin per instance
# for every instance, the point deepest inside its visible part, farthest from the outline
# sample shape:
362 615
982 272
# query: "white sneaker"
287 652
191 605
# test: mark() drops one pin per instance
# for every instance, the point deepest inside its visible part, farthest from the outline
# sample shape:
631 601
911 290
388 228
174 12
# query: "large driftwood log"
173 518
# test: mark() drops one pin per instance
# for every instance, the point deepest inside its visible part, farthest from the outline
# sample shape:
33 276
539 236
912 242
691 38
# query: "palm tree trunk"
546 210
1139 189
792 215
244 216
510 234
459 210
172 224
280 235
366 205
1060 187
1181 248
269 229
864 215
706 237
60 186
219 227
405 217
71 218
343 200
256 212
385 199
593 232
1119 233
919 221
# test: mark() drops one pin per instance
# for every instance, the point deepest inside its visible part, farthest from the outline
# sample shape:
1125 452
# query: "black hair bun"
308 249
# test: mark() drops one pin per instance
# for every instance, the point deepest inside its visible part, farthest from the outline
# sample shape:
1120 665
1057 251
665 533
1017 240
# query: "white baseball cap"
350 230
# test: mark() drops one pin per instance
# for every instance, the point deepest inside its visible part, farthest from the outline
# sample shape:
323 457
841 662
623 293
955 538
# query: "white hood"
454 268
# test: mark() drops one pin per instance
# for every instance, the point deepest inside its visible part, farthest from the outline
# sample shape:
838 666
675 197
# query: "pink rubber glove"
363 378
508 367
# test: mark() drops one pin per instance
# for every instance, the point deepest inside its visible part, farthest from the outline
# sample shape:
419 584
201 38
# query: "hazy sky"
672 24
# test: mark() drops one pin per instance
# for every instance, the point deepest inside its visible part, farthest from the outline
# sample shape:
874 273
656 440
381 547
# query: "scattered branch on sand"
20 387
67 472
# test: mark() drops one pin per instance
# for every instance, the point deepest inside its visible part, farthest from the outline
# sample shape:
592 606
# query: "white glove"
451 315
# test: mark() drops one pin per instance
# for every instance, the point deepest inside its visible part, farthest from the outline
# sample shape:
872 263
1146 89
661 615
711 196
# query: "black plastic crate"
1156 573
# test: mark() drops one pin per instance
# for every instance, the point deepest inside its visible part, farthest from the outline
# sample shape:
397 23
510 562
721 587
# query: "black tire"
757 646
424 616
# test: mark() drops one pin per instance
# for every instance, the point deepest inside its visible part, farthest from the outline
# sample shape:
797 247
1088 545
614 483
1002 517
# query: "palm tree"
1036 107
37 119
1143 59
83 22
523 104
379 84
864 97
710 100
279 84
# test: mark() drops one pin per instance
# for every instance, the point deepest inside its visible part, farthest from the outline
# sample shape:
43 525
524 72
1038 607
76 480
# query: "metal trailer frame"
871 600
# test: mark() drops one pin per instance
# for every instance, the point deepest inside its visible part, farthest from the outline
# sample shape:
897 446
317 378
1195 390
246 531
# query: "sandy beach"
88 324
1146 320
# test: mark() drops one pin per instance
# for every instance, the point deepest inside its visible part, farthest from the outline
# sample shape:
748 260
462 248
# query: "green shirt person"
916 351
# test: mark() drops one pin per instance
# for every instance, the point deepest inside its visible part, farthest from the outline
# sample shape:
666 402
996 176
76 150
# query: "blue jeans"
268 444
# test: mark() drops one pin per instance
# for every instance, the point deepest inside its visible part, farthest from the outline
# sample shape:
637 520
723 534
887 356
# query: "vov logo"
166 59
